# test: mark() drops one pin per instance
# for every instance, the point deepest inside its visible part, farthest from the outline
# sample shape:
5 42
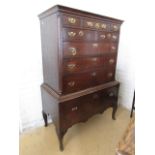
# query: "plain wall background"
31 62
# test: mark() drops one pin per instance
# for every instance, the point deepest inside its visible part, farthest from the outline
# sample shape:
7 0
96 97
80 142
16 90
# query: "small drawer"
93 24
79 35
82 64
113 37
71 20
114 27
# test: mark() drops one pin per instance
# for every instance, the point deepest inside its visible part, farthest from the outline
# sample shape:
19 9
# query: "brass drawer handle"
110 74
104 26
95 44
97 25
75 108
113 48
71 34
102 36
71 66
93 74
71 20
111 61
114 37
115 27
71 83
81 33
73 50
90 24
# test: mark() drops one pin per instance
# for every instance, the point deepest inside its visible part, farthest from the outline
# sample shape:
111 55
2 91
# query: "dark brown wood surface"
79 51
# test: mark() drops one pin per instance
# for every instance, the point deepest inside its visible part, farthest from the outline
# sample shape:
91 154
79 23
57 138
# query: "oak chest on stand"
79 53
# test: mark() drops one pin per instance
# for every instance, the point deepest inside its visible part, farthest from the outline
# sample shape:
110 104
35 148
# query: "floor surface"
98 136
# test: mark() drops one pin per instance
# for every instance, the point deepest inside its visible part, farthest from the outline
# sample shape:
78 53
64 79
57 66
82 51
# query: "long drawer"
76 82
80 109
82 64
75 49
77 65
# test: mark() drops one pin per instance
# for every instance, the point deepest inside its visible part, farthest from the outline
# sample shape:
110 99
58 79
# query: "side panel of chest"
50 39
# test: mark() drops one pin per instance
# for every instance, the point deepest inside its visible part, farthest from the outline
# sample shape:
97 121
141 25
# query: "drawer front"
93 24
76 82
70 34
80 49
108 36
82 64
72 49
88 35
82 108
79 109
71 20
70 112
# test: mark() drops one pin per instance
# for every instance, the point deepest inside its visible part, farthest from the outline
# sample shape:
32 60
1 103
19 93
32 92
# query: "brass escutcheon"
72 50
71 83
97 25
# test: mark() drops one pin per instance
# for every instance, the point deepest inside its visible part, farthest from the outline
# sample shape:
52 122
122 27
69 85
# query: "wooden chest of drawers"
79 51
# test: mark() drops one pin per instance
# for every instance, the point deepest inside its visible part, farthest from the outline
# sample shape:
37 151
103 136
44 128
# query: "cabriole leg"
60 138
45 118
114 111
